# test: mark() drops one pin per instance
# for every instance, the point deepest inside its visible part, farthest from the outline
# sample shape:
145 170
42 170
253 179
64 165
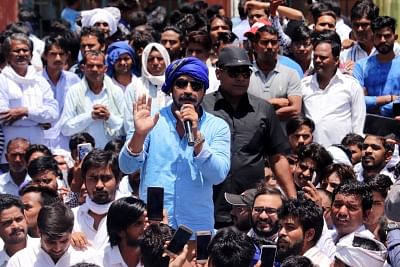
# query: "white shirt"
33 92
73 123
113 258
361 230
4 258
337 110
342 29
98 239
8 186
53 137
325 243
134 90
124 188
35 256
317 257
213 81
241 29
359 170
134 80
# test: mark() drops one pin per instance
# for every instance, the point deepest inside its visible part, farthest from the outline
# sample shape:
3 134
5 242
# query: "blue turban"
114 51
190 66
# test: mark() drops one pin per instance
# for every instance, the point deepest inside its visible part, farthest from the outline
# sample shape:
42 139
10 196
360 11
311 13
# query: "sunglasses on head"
235 72
196 85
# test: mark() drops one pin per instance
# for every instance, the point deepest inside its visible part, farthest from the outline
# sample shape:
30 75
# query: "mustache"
16 231
188 99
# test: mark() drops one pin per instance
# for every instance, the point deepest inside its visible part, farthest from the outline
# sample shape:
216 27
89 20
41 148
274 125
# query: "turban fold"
190 66
114 51
358 255
111 15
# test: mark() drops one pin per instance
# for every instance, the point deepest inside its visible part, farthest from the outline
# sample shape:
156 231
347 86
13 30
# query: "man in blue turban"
160 147
121 64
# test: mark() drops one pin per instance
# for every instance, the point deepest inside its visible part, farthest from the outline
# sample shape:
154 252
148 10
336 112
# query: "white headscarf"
156 80
111 15
359 256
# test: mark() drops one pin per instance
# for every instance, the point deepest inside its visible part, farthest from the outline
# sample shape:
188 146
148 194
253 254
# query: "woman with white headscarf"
155 59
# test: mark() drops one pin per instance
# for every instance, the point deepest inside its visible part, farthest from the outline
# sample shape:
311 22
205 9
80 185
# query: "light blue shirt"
168 161
378 79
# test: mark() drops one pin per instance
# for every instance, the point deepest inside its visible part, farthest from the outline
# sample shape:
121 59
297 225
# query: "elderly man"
95 105
160 147
27 103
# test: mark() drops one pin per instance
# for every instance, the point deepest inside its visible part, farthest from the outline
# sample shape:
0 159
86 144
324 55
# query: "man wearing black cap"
241 208
255 132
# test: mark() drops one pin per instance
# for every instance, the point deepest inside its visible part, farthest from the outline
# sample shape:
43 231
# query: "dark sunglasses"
196 85
235 72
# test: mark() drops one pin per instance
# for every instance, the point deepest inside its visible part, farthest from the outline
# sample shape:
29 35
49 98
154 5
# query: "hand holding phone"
155 203
179 240
382 127
268 253
83 150
203 238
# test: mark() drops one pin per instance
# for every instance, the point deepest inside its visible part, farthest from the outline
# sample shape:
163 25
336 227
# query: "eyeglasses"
269 211
235 72
196 85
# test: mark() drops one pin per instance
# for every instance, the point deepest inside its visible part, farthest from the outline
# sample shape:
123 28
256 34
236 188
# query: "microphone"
188 130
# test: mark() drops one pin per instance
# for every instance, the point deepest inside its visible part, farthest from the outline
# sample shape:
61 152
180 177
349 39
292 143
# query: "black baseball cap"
233 57
244 199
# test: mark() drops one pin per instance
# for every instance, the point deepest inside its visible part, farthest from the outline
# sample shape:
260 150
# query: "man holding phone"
159 146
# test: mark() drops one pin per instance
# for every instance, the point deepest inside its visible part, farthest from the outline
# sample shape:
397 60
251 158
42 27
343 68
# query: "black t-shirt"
256 133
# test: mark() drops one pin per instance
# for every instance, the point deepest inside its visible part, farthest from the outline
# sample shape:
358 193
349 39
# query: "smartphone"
268 253
155 203
396 109
83 150
203 238
382 126
179 240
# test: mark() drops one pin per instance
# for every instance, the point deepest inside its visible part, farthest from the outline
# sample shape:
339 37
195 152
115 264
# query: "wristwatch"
200 139
392 226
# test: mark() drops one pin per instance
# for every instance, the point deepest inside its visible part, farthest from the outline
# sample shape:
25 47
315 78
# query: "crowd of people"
252 127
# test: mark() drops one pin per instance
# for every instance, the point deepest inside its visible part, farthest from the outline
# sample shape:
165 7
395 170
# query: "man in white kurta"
95 105
56 53
55 223
27 103
334 101
34 255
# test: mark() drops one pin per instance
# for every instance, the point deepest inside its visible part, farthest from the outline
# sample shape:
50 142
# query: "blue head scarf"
114 51
190 66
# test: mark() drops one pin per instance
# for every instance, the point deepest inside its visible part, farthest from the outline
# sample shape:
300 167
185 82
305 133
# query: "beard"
385 48
290 250
101 198
262 233
134 242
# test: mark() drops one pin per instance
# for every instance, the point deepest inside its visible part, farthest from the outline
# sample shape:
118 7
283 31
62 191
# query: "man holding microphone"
160 147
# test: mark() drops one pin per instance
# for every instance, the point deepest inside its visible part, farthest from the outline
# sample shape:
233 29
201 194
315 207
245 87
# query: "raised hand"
142 118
